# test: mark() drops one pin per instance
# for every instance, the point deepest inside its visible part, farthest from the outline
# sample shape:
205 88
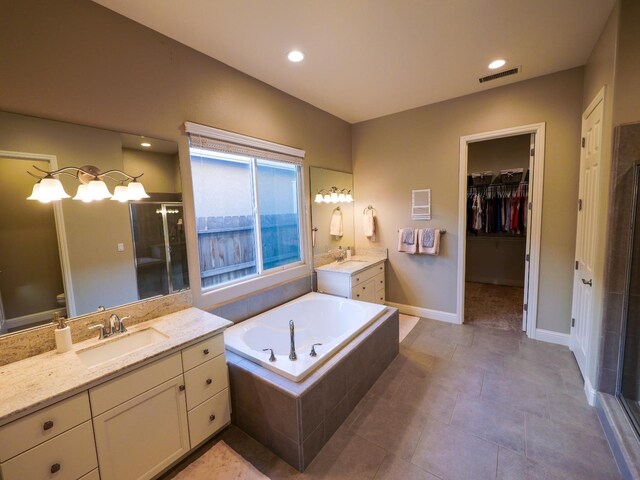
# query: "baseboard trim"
425 312
552 337
590 392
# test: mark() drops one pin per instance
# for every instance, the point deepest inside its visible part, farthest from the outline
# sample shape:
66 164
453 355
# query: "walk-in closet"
497 216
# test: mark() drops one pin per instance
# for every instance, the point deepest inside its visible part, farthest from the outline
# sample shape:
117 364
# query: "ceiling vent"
495 76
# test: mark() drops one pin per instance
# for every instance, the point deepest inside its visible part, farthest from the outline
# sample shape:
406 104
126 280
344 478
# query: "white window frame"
226 292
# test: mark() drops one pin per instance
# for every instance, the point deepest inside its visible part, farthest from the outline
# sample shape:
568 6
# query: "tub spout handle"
272 358
313 350
292 353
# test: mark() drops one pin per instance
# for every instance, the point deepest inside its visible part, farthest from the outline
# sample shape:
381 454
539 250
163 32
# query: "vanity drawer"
27 432
364 292
69 456
119 390
365 275
209 417
202 351
205 380
94 475
379 282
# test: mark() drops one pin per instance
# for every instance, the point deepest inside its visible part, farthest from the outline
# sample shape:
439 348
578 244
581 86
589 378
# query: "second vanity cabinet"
366 284
132 427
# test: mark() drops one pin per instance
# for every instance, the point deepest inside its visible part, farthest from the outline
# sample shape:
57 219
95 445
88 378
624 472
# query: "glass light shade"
35 192
98 190
341 197
348 198
327 198
136 191
83 194
317 200
51 190
121 194
334 197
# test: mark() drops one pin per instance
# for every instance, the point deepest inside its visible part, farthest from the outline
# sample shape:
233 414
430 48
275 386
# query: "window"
248 210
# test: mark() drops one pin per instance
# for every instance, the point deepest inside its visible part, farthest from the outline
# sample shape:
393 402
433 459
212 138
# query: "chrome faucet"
292 353
115 325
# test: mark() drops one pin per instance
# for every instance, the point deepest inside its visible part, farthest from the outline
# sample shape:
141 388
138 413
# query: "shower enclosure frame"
633 418
167 245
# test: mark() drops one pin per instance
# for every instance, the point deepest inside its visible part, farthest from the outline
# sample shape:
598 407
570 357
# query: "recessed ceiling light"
145 144
497 63
295 56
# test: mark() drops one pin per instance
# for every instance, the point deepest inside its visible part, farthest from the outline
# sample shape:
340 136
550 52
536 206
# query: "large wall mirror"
72 257
326 216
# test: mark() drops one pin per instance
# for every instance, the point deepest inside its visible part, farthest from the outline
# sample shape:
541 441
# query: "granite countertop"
35 382
355 265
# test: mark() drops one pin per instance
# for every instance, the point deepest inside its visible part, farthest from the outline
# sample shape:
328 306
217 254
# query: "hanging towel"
336 224
406 234
369 224
427 237
434 249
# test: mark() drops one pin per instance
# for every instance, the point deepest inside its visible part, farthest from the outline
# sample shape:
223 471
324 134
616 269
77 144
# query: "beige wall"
100 274
627 100
160 172
599 72
79 62
419 148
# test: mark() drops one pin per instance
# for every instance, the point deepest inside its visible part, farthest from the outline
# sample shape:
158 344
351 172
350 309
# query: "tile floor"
462 402
497 306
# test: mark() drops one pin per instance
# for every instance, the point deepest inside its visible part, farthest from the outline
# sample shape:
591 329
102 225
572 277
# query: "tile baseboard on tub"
620 434
425 312
550 336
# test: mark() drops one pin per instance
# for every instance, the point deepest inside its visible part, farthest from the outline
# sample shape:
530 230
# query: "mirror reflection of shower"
160 248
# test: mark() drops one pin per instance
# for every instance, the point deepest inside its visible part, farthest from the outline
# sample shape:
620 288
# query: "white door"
532 145
590 158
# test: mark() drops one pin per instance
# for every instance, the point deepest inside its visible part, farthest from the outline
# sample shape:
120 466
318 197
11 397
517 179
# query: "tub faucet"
292 353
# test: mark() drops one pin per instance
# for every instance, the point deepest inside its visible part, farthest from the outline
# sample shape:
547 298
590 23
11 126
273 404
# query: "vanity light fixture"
334 195
500 62
295 56
91 188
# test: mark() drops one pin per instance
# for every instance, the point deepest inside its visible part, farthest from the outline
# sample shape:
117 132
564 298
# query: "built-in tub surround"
323 321
38 381
295 420
27 343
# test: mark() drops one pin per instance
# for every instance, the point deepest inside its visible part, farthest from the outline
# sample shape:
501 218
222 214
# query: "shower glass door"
629 373
160 248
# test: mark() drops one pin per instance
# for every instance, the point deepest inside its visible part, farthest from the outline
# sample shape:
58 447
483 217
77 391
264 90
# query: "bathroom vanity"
360 278
79 416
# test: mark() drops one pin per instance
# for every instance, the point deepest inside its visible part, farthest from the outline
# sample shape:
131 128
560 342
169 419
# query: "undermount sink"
119 345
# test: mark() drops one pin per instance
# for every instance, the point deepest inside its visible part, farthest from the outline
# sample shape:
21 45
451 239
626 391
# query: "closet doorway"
499 242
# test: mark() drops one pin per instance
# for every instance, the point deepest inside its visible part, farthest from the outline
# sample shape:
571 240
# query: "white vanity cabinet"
55 442
147 419
140 420
366 284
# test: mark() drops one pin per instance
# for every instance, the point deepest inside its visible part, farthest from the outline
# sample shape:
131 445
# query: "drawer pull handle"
357 279
206 351
181 388
358 295
47 425
363 288
380 268
55 468
381 281
208 381
212 418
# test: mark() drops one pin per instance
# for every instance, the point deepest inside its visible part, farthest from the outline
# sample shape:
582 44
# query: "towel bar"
442 232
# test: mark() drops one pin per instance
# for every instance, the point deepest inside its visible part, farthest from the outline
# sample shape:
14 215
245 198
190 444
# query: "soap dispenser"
62 334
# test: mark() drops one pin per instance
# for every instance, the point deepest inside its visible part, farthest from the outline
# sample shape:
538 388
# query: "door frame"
536 177
61 232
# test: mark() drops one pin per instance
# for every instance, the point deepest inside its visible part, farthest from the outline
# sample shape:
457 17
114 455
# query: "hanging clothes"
497 208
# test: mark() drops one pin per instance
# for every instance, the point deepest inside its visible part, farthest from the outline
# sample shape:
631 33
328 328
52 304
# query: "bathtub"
318 318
